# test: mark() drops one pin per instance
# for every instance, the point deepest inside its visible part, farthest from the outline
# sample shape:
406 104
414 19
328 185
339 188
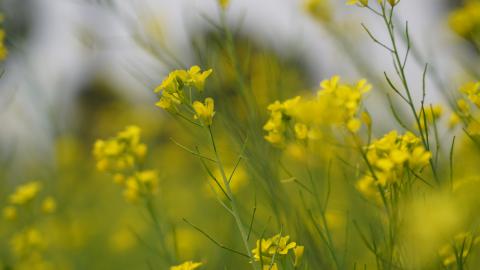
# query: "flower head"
204 111
120 153
277 245
172 88
390 157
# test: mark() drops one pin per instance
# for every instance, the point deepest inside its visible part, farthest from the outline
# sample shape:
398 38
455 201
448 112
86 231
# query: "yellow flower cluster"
28 246
336 104
277 246
462 243
25 193
389 158
121 153
28 243
172 88
471 91
23 196
122 156
465 21
187 266
172 94
280 115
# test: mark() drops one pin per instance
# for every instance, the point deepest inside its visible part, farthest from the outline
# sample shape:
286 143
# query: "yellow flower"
430 114
465 21
298 251
275 138
389 156
267 248
337 105
472 91
149 179
204 111
197 78
354 125
366 119
169 100
132 190
49 205
172 87
119 179
272 267
224 3
280 114
25 193
26 242
453 120
463 107
121 152
301 131
189 265
464 241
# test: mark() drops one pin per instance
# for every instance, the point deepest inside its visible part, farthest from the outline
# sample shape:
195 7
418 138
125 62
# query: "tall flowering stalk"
122 157
174 99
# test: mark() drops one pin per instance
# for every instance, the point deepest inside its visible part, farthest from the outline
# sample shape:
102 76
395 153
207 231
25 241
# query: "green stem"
233 203
151 211
401 73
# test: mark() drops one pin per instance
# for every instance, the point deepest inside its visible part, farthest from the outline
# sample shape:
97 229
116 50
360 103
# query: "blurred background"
62 51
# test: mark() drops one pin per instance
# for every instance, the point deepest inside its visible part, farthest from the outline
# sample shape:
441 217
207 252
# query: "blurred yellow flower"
336 104
120 153
465 21
298 251
25 193
389 157
224 3
430 115
462 243
27 241
472 91
132 190
49 205
187 266
453 121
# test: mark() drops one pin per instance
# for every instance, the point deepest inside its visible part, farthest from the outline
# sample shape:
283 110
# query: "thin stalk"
233 203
